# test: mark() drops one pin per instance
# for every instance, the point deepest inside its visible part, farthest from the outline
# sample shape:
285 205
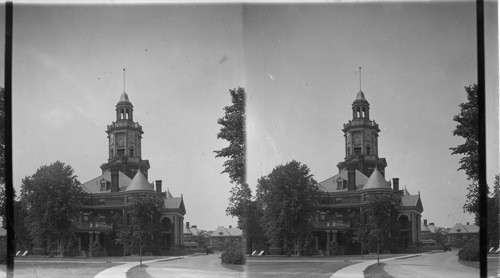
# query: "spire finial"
124 80
360 78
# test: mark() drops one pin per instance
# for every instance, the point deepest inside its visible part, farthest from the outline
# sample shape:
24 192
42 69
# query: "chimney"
194 226
425 222
158 186
431 224
231 226
187 225
395 184
114 180
351 179
467 223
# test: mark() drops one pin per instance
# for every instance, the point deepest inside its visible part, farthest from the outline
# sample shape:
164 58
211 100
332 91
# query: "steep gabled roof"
377 181
174 203
139 183
93 186
330 184
424 228
187 231
225 232
463 229
432 229
194 231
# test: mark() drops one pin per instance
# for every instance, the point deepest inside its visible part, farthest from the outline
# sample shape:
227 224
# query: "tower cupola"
361 140
360 107
124 109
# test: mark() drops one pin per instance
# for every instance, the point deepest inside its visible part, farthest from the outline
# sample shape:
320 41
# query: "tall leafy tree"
379 213
468 128
288 196
233 131
52 199
141 227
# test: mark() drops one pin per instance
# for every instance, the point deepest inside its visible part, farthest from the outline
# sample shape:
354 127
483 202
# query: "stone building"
223 236
460 234
361 174
125 177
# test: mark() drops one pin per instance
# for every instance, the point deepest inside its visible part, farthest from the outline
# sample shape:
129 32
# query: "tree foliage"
2 136
375 224
468 128
52 199
142 215
288 197
233 130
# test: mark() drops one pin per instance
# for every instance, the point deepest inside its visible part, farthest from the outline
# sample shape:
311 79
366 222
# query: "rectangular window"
338 200
121 152
102 219
357 150
102 201
131 152
85 217
129 199
322 216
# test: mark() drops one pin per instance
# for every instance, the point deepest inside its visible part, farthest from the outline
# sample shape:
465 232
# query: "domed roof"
376 181
139 182
360 95
124 97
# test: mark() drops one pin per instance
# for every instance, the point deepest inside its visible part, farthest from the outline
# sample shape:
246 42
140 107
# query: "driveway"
210 266
430 265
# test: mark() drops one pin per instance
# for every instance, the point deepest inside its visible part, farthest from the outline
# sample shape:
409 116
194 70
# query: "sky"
416 59
297 63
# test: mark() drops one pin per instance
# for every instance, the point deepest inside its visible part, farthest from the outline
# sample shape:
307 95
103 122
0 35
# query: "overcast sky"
298 64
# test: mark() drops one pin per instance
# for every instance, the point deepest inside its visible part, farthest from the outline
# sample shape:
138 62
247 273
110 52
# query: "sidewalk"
357 270
120 271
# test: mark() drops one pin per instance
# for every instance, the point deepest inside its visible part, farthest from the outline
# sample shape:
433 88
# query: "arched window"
131 152
363 114
122 114
368 150
127 115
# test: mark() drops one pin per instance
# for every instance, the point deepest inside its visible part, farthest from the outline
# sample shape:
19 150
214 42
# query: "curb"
358 270
120 271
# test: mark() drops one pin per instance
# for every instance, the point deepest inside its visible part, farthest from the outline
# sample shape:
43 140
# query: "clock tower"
361 141
124 142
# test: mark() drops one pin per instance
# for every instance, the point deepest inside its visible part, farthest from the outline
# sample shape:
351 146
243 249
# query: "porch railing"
333 224
95 225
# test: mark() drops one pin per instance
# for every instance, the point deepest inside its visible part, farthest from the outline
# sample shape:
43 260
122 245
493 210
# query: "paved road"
193 266
430 265
269 267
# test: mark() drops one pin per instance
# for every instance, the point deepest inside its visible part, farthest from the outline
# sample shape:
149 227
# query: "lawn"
376 271
35 269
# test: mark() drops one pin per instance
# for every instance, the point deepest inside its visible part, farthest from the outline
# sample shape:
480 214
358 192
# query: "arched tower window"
131 152
363 113
122 114
368 150
127 114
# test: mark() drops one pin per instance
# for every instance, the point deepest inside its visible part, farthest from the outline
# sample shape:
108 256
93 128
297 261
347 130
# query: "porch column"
79 240
334 236
97 237
91 242
316 243
328 242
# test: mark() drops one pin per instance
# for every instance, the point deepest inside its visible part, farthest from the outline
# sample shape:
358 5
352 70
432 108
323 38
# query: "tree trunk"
140 252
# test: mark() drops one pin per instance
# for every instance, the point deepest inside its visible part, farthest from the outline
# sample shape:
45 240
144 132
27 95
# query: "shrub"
470 251
233 257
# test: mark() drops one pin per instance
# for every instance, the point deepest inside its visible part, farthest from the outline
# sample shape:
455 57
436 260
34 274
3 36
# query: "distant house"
460 234
428 231
222 236
191 236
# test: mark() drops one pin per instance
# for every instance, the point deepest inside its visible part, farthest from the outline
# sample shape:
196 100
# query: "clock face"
357 139
120 139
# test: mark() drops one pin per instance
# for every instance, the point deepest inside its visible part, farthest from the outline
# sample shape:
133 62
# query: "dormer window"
103 184
341 183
